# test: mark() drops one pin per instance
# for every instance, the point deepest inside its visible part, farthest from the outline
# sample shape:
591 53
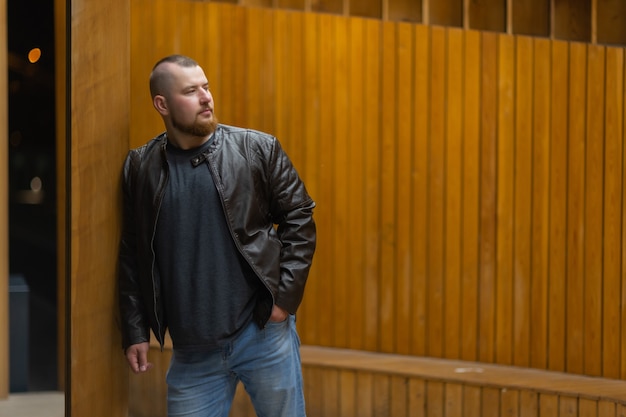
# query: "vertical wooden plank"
613 168
490 401
435 399
282 79
142 60
227 108
389 201
575 208
239 56
365 395
541 116
488 187
312 325
331 395
164 39
381 396
298 111
182 36
558 206
453 194
416 398
594 21
398 396
472 401
348 394
436 193
288 111
207 19
313 390
523 197
357 196
253 58
607 408
453 400
528 404
94 247
327 143
98 141
548 405
265 73
372 185
341 157
505 199
594 173
568 406
623 249
509 403
470 195
587 407
421 178
404 177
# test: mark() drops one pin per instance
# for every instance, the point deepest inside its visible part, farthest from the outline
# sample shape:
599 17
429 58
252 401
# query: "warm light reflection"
34 55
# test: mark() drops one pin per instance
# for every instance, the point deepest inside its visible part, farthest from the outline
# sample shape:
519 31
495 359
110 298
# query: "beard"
197 128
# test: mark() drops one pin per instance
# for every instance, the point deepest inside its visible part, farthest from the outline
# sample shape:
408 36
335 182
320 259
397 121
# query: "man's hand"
137 357
278 314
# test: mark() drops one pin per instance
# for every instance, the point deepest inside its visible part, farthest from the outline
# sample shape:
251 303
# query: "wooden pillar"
93 57
4 207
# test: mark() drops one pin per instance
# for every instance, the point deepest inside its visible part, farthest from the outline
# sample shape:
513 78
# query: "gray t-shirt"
208 289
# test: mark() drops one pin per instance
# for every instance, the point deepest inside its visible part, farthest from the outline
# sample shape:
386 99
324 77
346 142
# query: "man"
217 242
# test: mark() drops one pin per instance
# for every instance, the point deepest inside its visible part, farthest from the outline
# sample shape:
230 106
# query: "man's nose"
205 96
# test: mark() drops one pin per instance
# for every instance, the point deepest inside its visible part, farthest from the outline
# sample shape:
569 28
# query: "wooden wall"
469 184
93 88
4 208
595 21
344 382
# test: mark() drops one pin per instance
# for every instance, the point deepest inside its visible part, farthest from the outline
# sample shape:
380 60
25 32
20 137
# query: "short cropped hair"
159 77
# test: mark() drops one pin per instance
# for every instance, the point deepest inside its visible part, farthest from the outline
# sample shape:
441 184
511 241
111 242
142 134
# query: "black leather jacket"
268 211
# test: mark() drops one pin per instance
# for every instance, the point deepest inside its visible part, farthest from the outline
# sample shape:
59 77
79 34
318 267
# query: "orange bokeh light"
34 55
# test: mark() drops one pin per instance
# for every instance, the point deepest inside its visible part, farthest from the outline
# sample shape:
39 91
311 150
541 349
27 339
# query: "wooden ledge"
468 373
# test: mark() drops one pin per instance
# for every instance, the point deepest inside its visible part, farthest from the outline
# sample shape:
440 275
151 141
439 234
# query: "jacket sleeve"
292 211
134 326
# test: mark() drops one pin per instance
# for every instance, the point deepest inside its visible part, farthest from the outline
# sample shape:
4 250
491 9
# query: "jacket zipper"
154 293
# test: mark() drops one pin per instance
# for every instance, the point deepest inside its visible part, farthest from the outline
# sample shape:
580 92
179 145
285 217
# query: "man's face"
189 101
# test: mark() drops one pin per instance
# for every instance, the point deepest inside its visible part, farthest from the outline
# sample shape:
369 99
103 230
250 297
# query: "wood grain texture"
98 142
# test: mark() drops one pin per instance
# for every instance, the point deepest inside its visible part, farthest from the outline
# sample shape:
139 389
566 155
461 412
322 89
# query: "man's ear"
160 104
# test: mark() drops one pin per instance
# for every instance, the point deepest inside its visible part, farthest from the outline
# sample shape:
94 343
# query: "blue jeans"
266 361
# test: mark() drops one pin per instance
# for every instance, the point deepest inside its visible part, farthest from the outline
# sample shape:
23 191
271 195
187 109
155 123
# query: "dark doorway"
32 180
